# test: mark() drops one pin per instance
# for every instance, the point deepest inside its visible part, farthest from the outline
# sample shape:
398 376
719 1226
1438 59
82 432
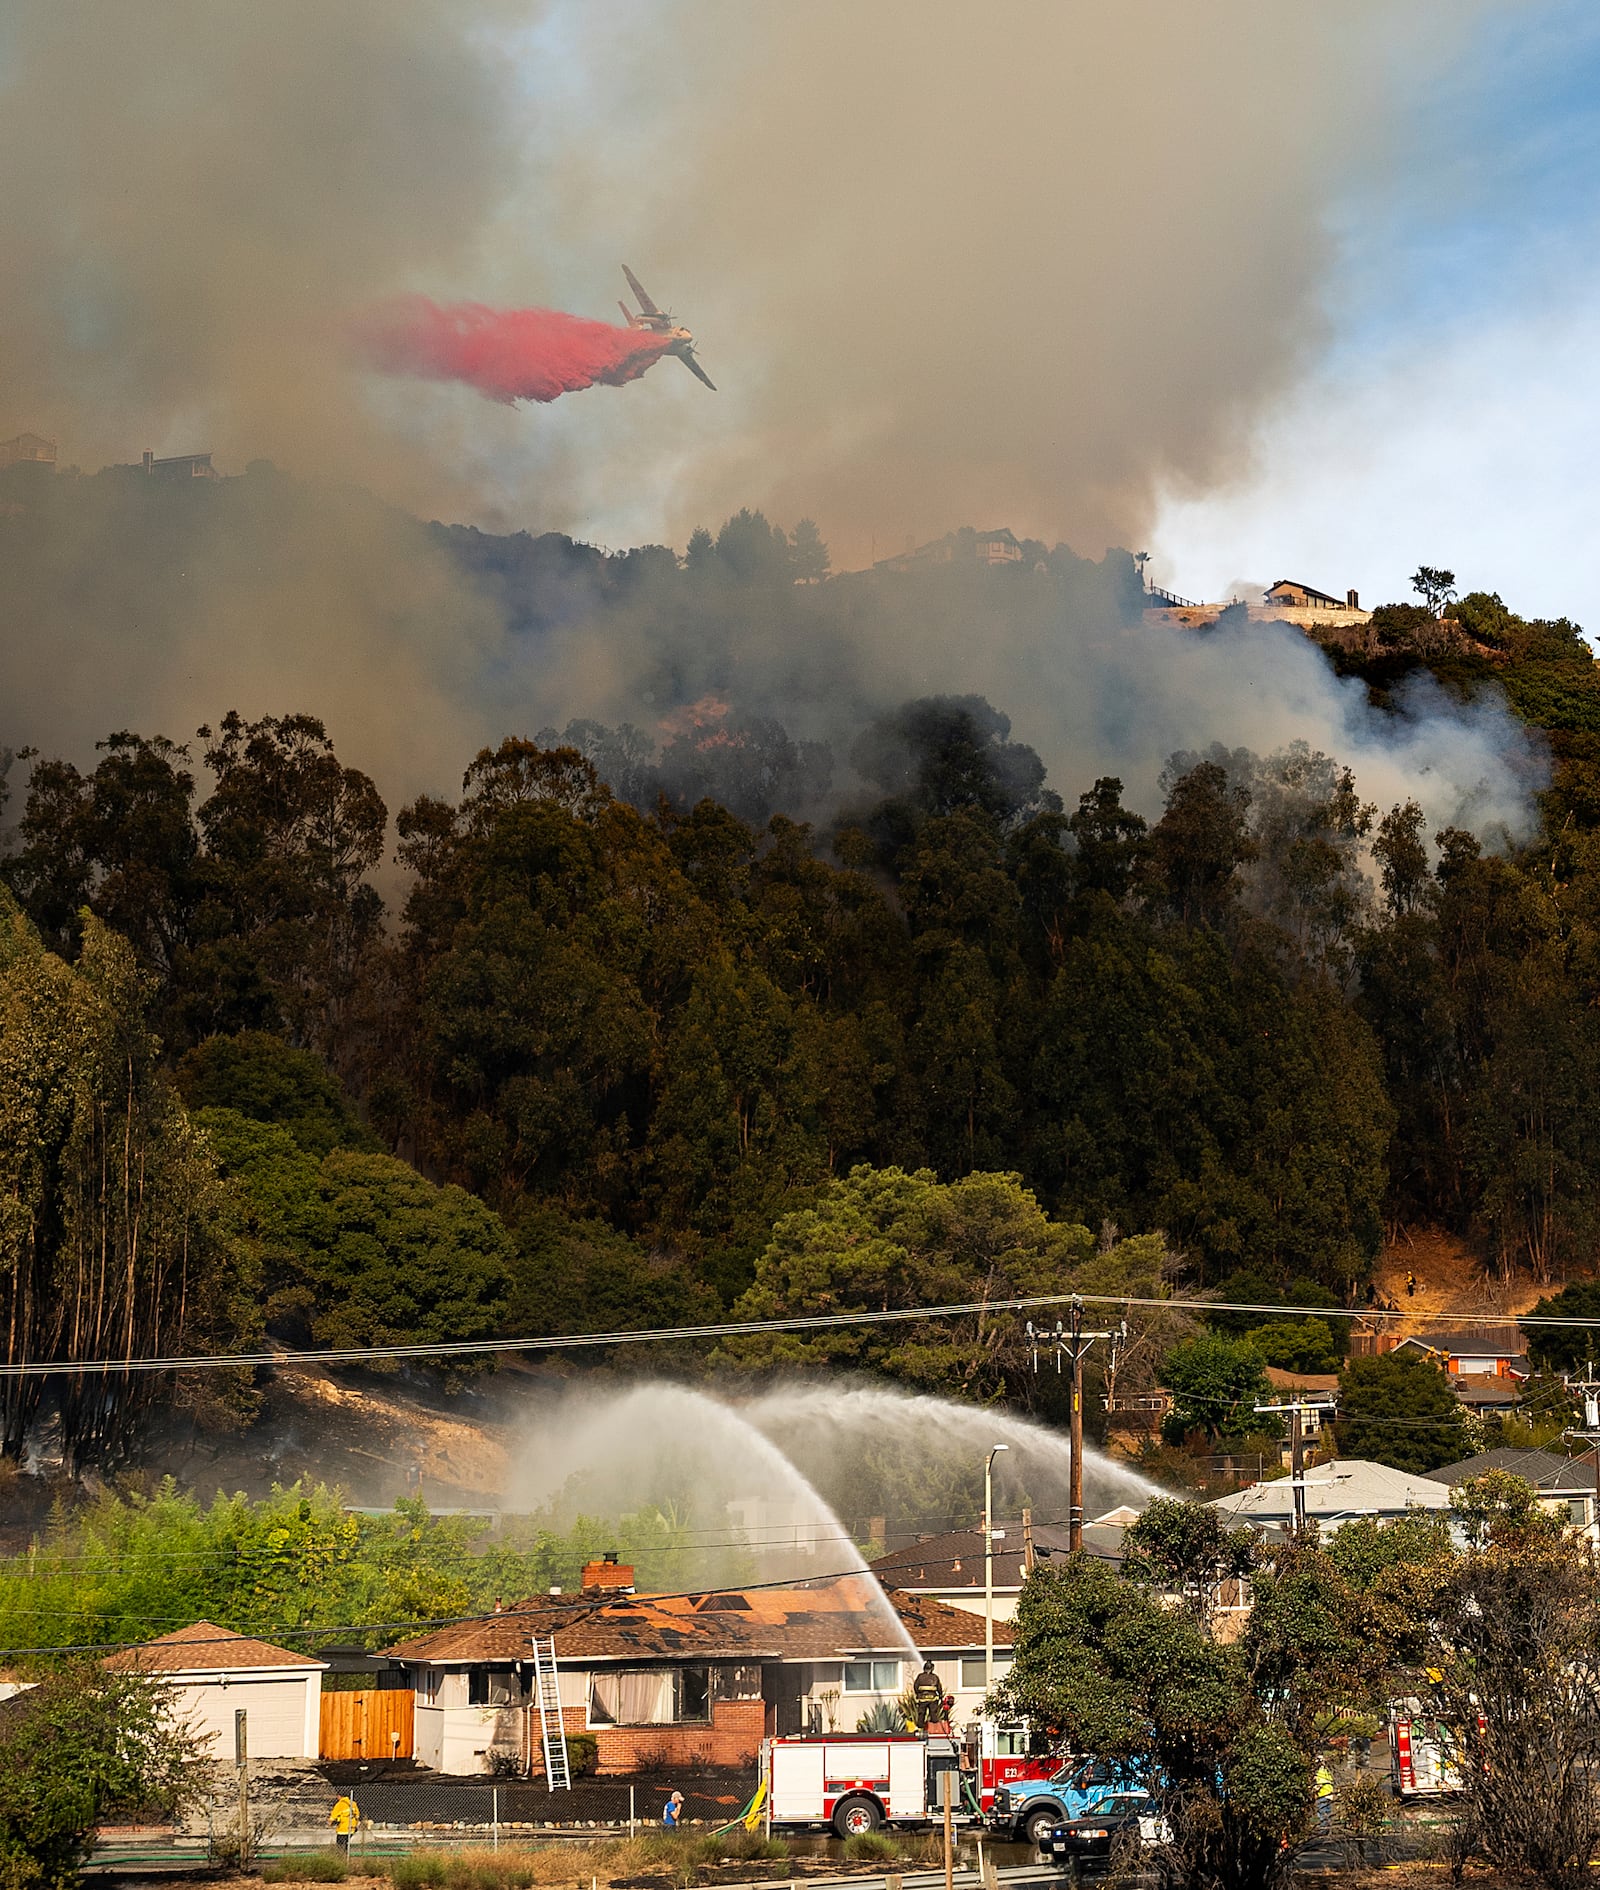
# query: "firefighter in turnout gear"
927 1695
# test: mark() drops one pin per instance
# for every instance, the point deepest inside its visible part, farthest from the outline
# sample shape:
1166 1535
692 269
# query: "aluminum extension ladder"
552 1732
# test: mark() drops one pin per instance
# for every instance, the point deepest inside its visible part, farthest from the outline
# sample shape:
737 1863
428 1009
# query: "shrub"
868 1847
583 1754
308 1867
80 1748
420 1869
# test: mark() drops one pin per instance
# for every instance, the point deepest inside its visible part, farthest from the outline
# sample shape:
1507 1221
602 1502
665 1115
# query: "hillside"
624 1041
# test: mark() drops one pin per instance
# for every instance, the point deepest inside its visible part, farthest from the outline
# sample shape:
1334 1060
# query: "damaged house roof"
831 1621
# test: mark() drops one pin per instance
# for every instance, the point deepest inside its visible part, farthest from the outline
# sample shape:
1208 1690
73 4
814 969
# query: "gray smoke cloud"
1020 268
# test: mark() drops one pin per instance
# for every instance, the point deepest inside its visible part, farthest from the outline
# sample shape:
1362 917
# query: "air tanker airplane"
659 322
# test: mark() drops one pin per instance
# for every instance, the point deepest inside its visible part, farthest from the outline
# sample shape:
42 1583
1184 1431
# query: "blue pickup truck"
1027 1809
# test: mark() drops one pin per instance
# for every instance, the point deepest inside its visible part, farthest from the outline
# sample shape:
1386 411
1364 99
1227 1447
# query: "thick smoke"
945 270
509 354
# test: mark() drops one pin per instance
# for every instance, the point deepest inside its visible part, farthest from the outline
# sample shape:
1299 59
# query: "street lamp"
988 1567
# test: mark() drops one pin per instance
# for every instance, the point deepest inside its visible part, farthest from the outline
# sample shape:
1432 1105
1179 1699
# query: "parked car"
1125 1817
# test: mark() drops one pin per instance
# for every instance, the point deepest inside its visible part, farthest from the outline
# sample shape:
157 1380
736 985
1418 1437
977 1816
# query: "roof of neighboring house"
1483 1388
1348 1487
1320 1382
1310 590
205 1648
1486 1341
829 1621
955 1559
1544 1469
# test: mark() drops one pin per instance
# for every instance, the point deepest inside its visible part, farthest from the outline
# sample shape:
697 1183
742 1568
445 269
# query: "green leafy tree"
1188 1550
1434 585
1400 1411
881 1238
261 1076
1223 1735
583 1276
1296 1345
369 1250
84 1747
1216 1383
113 1227
1564 1349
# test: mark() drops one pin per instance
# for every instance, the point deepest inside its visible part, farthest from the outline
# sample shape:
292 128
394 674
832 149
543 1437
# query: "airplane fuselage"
656 321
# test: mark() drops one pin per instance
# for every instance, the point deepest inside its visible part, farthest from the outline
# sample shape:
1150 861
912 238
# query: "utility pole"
948 1786
1588 1388
988 1567
241 1753
1072 1343
1295 1411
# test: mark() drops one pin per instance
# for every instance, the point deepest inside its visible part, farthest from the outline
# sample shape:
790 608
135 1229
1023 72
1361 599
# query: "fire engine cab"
856 1782
1006 1756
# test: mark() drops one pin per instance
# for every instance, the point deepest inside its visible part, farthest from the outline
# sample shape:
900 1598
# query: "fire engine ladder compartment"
552 1732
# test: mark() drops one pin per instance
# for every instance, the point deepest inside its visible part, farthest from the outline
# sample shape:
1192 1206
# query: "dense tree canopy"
647 1000
1399 1409
113 1235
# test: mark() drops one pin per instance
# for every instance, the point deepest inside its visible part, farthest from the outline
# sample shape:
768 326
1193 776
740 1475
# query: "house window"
650 1696
972 1668
493 1686
428 1687
693 1693
872 1676
736 1683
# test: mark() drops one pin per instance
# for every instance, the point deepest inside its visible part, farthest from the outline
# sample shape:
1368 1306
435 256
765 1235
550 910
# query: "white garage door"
276 1709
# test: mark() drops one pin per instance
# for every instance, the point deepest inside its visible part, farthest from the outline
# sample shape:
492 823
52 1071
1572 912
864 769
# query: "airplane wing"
637 287
697 371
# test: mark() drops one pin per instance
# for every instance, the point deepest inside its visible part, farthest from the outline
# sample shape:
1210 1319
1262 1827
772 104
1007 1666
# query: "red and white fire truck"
1006 1756
856 1782
1422 1762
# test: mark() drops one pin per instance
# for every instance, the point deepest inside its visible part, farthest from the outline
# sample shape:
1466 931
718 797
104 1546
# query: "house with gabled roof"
1489 1350
213 1673
949 1568
1566 1485
681 1679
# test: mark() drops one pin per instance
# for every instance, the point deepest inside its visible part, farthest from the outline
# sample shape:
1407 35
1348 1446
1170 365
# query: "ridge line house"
680 1679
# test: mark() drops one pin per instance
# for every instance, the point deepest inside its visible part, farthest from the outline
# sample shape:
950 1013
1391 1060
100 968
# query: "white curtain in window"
638 1698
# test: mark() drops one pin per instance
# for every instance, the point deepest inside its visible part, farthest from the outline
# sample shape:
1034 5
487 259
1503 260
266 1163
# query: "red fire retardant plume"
509 354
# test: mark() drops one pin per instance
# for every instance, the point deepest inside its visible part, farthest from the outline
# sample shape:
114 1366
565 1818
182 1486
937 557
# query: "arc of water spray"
589 1440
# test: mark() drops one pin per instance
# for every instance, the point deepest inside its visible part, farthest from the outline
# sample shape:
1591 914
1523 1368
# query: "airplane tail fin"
628 315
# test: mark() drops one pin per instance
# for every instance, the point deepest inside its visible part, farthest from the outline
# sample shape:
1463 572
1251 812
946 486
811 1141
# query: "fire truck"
1006 1758
855 1782
1421 1762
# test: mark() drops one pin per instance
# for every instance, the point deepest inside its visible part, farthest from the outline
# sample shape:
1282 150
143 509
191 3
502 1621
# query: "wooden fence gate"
373 1723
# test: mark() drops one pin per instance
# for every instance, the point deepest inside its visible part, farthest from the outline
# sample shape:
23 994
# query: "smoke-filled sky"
1234 275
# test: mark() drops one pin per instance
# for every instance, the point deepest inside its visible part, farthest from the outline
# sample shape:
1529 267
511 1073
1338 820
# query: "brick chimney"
1353 599
608 1576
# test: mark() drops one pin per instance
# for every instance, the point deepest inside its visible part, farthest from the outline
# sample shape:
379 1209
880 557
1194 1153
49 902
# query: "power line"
584 1605
733 1329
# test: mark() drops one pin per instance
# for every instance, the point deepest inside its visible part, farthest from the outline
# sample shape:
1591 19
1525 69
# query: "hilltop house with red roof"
213 1673
682 1679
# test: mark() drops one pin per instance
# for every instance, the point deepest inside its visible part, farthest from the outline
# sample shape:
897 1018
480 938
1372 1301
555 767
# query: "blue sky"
1453 416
